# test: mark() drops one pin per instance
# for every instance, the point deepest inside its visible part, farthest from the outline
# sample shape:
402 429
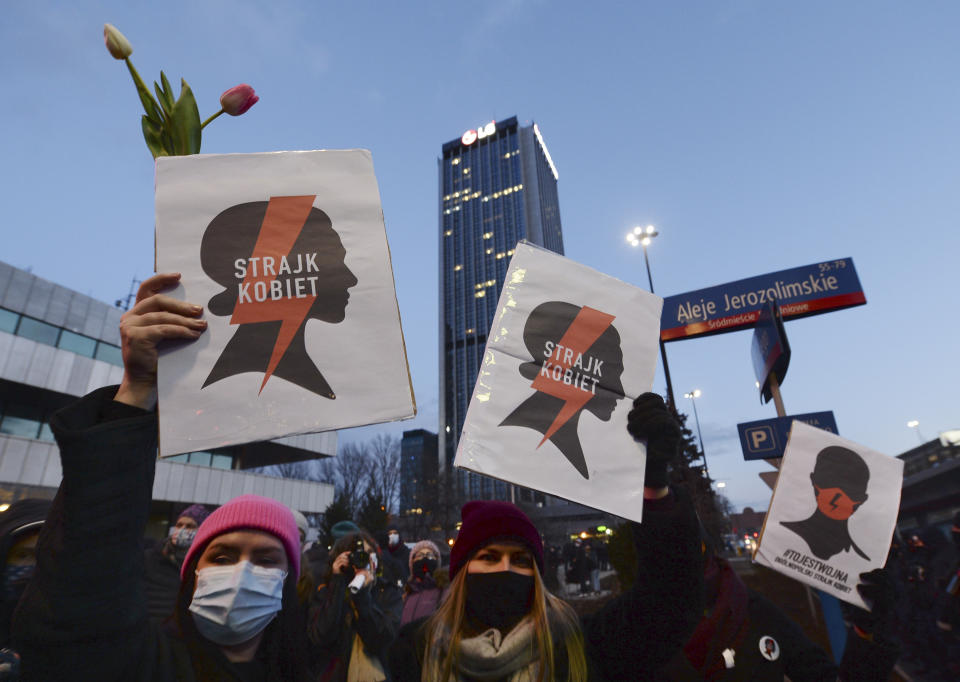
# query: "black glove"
879 592
651 421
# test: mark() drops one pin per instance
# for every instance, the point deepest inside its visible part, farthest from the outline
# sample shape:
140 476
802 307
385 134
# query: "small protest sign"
569 350
833 512
287 253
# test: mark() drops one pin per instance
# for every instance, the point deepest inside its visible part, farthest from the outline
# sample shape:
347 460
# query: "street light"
693 395
640 236
914 424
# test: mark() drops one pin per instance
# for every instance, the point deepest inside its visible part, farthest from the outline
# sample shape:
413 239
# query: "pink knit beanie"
250 512
423 544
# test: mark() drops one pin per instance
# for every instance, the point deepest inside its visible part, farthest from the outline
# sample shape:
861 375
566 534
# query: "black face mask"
499 600
423 567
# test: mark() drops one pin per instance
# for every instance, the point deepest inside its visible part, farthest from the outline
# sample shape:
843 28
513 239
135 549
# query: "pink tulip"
238 99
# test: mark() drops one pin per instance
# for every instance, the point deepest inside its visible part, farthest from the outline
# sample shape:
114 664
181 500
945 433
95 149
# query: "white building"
56 345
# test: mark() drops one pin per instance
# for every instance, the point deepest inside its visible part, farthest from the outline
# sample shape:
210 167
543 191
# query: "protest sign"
832 514
569 350
288 255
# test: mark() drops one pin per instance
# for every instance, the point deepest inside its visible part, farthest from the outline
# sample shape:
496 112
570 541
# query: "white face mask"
232 604
393 539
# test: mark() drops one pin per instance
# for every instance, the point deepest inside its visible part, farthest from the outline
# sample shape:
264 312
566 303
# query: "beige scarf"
363 668
491 656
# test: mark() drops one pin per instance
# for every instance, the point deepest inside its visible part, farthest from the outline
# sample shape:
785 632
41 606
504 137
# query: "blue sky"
756 136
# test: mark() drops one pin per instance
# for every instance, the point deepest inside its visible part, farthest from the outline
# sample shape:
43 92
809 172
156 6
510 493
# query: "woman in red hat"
84 615
498 621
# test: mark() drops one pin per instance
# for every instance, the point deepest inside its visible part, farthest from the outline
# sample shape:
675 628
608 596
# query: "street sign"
771 350
808 290
767 438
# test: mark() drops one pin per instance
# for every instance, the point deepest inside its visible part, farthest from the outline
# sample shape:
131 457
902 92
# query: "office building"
931 483
57 345
418 472
498 185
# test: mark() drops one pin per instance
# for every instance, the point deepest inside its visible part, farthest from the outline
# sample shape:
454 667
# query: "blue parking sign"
767 438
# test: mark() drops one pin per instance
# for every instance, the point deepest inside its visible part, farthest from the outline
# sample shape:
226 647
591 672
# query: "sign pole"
778 402
777 399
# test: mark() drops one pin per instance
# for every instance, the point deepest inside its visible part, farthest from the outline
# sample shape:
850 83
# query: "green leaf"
166 87
153 134
166 101
168 144
149 105
185 122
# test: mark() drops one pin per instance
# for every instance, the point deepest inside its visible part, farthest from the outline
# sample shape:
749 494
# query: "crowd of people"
924 568
235 594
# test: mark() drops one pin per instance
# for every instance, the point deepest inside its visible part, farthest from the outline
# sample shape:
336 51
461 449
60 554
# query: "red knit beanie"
250 512
483 521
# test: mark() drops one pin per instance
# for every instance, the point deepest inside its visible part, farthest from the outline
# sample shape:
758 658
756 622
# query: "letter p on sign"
761 439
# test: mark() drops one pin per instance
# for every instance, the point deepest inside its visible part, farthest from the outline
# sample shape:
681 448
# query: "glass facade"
45 333
494 191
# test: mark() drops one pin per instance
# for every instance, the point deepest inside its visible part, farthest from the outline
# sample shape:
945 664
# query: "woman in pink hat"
84 616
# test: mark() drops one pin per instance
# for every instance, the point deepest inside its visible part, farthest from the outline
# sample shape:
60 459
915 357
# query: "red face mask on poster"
834 503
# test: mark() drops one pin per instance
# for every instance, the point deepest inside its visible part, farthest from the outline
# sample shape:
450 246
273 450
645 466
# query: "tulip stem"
204 124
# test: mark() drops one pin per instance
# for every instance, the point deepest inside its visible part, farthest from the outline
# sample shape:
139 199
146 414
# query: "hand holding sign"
832 514
288 253
569 350
878 590
651 421
154 318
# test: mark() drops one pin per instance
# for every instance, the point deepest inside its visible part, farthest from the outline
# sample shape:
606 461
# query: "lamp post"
693 395
914 424
639 236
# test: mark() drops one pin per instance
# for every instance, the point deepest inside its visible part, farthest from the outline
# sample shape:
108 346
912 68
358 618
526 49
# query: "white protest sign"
568 351
833 512
288 255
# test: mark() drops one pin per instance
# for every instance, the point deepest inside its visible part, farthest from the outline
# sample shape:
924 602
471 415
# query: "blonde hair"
551 617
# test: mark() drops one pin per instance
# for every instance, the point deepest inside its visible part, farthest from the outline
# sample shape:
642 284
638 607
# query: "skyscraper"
498 185
418 472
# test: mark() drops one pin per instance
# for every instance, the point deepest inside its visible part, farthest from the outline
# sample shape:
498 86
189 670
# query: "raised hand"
154 318
651 421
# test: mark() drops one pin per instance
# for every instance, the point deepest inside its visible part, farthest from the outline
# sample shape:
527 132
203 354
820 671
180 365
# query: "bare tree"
327 469
352 467
360 470
383 453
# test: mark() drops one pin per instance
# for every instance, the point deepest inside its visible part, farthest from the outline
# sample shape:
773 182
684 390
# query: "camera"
359 556
359 559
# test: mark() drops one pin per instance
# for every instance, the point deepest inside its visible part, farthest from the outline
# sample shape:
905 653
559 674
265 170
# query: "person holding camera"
499 622
84 615
354 614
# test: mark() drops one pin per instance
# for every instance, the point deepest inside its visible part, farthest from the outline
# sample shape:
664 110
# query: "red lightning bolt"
585 329
281 226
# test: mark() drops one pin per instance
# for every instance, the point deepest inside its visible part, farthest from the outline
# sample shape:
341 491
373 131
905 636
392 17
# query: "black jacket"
635 634
744 636
161 583
336 615
791 654
84 615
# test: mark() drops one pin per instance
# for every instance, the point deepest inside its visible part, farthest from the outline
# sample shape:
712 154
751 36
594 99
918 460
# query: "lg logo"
472 136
